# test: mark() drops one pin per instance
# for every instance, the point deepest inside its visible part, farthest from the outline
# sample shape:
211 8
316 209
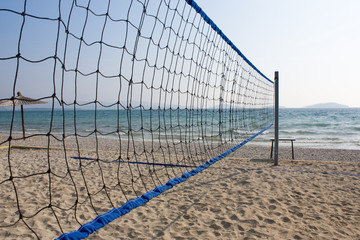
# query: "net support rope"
132 97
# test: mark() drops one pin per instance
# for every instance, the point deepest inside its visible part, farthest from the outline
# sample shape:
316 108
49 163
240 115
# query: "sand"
241 197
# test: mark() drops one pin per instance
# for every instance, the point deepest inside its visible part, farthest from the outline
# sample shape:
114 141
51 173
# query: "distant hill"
328 105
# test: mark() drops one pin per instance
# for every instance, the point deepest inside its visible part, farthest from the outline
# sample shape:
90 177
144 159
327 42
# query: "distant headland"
328 105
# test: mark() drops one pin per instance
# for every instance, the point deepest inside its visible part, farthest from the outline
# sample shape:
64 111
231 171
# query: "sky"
314 44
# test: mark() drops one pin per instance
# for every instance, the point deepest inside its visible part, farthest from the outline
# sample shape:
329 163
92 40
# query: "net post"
276 120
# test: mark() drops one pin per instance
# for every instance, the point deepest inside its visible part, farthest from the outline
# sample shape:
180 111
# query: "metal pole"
276 130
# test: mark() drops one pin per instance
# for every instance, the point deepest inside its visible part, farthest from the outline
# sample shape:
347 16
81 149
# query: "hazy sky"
314 44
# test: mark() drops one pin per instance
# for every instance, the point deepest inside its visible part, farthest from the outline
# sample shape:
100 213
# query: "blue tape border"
207 19
102 220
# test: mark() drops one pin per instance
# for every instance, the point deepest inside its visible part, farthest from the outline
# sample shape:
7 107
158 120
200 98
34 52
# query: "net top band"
208 20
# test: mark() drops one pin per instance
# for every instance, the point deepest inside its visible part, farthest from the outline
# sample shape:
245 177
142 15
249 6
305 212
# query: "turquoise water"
163 125
319 128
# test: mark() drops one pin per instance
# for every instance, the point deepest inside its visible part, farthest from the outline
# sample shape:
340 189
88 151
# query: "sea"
311 128
328 128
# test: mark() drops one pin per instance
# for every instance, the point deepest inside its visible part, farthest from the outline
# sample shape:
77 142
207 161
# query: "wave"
356 128
319 125
299 132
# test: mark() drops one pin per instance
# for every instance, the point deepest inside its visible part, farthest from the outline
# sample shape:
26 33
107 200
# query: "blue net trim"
206 18
102 220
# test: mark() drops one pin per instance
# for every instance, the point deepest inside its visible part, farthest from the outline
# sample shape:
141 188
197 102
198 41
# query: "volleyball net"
137 96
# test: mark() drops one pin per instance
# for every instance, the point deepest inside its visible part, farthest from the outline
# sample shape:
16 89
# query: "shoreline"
260 141
250 150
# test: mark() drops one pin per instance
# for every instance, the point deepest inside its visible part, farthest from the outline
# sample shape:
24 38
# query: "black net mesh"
133 93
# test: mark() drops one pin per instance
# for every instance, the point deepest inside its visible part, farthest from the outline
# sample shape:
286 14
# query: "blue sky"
314 44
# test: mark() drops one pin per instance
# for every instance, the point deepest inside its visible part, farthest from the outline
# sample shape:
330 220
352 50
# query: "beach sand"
240 197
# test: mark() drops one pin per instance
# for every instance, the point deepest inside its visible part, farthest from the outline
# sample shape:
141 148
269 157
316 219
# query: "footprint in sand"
296 211
225 224
269 221
273 201
272 207
215 226
286 220
241 228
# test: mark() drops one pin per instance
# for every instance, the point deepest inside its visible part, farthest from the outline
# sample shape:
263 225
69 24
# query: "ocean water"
162 125
315 128
318 128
